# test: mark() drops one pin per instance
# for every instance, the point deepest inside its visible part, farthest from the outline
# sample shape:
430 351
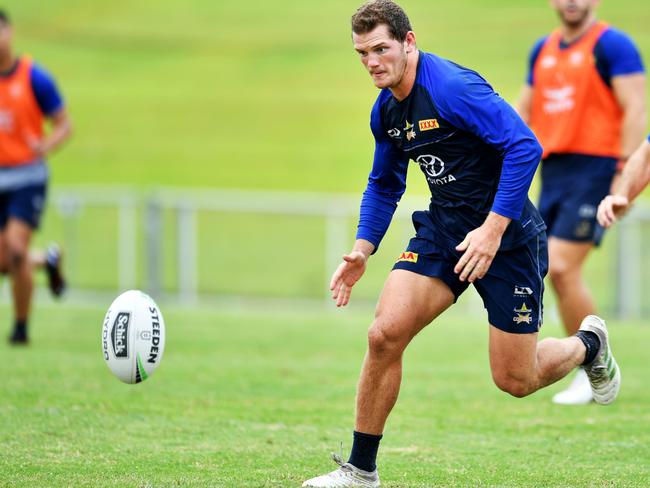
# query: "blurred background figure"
585 101
634 179
28 97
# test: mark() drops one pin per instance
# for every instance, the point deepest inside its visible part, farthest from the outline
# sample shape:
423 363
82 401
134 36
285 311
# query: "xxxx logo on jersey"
428 124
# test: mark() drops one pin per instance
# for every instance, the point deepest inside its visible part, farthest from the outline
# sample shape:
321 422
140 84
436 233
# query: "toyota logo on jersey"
432 165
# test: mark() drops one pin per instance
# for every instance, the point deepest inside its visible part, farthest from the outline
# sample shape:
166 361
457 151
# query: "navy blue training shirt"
474 150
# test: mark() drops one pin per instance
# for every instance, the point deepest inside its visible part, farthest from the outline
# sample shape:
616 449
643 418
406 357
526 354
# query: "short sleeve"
617 55
532 58
45 90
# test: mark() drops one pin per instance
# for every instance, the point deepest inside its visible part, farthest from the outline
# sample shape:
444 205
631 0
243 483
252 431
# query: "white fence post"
154 246
628 289
127 238
186 257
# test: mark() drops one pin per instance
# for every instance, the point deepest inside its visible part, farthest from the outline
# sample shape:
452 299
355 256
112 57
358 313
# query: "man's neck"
7 62
403 90
571 33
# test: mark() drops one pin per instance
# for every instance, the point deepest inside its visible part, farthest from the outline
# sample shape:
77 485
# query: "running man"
478 158
28 97
585 101
634 179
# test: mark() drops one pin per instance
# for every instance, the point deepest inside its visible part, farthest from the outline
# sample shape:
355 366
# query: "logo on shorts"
428 124
522 291
587 211
583 229
523 315
409 257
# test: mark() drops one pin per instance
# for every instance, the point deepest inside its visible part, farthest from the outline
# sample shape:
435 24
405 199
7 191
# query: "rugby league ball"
133 336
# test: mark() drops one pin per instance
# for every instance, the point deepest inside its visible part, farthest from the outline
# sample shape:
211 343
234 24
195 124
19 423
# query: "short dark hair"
377 12
4 18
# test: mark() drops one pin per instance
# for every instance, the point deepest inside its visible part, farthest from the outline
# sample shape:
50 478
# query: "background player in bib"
635 177
28 97
585 101
478 158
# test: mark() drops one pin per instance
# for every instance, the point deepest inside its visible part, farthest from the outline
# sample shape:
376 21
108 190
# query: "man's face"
573 13
383 56
5 38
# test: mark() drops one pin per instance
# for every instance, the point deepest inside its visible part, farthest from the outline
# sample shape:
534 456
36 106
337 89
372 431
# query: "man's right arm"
386 184
350 271
635 177
525 102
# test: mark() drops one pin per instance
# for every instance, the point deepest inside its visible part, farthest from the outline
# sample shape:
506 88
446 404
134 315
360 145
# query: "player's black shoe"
56 282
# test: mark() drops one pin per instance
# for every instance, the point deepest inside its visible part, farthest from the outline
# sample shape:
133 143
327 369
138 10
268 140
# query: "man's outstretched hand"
346 275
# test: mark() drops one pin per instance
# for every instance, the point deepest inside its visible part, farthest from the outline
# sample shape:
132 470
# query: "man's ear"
410 46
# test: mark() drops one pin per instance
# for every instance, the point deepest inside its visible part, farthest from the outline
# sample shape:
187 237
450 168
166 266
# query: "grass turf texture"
271 95
250 399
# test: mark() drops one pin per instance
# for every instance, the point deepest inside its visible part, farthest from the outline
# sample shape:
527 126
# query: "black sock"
19 335
364 451
20 326
591 342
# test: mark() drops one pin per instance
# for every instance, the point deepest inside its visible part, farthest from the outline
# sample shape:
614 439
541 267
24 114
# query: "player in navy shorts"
585 101
478 158
29 100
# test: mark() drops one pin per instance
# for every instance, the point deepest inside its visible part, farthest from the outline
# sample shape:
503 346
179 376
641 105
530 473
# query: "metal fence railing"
165 241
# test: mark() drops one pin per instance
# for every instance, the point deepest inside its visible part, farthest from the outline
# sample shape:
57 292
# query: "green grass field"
253 399
270 95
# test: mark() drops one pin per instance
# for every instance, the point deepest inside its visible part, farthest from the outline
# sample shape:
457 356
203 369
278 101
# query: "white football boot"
578 393
347 476
603 372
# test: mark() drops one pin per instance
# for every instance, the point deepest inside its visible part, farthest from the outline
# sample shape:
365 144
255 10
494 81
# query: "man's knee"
17 256
561 271
516 385
382 341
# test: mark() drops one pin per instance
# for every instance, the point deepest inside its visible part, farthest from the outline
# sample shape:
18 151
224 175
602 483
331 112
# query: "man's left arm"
630 92
476 108
61 129
619 61
53 108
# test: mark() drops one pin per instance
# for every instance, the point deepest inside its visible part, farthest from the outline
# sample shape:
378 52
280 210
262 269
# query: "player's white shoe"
347 476
603 372
578 393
